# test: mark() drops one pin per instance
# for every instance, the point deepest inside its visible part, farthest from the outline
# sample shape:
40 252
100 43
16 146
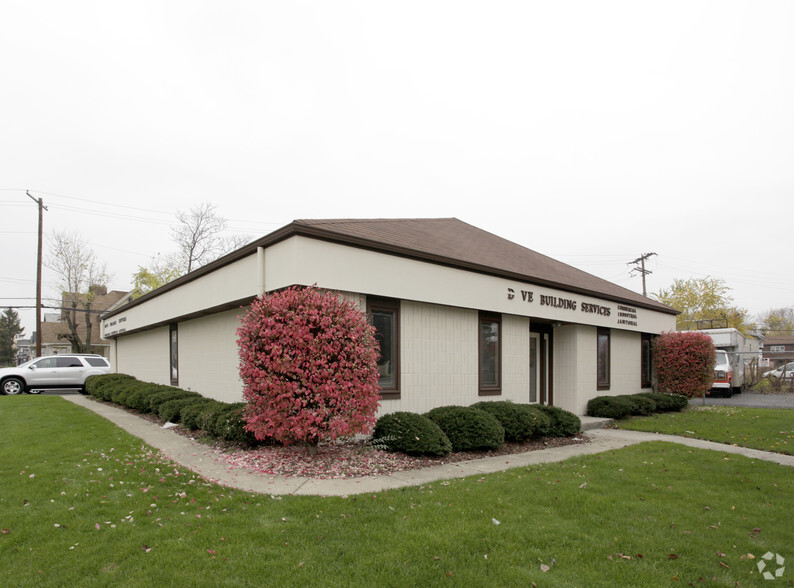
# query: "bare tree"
81 278
199 235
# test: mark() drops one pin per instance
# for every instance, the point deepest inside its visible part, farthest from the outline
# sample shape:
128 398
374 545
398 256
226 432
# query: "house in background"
778 349
55 333
461 315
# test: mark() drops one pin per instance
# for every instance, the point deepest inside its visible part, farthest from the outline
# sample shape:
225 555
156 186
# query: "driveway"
749 399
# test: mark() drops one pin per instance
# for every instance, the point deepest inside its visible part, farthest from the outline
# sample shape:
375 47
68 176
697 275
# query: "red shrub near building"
684 363
308 365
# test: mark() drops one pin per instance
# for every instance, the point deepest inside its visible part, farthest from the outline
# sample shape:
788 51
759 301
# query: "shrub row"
485 425
192 410
644 403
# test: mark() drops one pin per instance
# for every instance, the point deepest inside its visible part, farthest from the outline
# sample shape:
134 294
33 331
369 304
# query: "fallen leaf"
544 568
146 548
672 556
211 551
495 522
6 532
724 565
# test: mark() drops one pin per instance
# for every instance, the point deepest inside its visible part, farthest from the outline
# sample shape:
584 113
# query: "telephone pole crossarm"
641 269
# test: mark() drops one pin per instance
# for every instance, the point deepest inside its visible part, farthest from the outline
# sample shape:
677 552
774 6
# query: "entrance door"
539 358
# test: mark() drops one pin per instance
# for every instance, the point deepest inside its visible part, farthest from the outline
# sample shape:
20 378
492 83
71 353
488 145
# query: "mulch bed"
352 459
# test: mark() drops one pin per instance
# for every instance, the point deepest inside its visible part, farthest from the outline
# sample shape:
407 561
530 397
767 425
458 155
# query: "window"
69 362
490 354
603 360
174 354
47 363
384 315
96 361
777 348
646 361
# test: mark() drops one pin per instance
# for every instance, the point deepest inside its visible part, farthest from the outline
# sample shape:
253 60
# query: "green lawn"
84 504
759 428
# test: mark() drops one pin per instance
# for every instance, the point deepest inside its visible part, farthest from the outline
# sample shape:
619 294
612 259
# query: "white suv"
53 371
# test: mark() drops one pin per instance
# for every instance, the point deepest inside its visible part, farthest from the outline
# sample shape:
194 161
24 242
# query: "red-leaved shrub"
308 365
684 363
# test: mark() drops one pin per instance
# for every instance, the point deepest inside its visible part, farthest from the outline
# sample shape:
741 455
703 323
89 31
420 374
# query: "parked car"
54 371
778 373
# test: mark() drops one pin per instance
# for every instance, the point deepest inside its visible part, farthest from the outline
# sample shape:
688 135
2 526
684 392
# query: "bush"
518 422
643 405
308 362
139 398
468 428
171 410
411 433
230 425
610 407
166 394
542 420
209 414
684 363
563 423
96 385
667 402
190 415
120 390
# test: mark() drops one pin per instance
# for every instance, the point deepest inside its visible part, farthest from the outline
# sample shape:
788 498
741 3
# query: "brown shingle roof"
447 241
453 242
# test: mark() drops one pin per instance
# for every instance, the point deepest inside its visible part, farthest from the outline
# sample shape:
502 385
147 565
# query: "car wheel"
13 386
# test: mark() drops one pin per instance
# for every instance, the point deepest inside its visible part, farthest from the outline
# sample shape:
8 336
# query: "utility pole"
641 269
42 208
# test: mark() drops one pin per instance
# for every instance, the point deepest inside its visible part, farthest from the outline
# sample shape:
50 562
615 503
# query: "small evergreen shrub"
518 422
171 410
118 393
167 393
139 399
610 407
667 402
468 428
563 423
542 420
96 385
209 415
411 433
643 406
189 415
230 425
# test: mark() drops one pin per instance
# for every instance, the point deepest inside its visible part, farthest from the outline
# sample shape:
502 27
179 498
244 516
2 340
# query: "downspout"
260 264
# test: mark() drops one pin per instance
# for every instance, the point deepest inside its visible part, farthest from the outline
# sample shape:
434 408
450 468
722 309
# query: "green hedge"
642 404
610 407
191 409
520 421
667 402
563 423
468 428
411 433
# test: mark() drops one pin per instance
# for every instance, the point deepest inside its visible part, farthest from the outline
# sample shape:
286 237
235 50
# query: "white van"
723 375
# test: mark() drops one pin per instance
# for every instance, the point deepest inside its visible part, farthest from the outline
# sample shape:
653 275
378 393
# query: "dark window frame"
646 360
173 354
605 382
389 305
489 389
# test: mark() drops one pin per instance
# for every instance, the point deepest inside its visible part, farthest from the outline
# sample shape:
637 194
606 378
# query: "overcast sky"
590 131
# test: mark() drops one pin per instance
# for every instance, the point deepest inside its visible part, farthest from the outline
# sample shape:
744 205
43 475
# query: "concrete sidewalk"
202 459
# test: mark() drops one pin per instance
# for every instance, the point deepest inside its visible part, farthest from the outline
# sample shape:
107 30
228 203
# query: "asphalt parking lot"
749 399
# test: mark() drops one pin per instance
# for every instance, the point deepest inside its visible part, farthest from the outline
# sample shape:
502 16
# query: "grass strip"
766 429
84 503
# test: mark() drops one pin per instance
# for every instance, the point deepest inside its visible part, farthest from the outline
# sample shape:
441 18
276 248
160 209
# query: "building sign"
625 315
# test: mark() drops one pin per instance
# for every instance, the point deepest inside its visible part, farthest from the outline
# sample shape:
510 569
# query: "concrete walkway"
201 459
